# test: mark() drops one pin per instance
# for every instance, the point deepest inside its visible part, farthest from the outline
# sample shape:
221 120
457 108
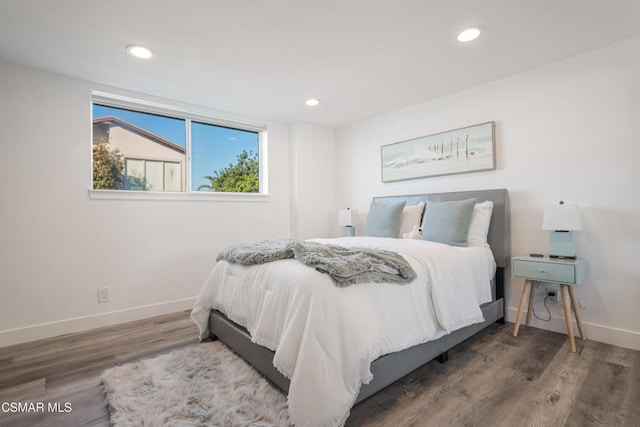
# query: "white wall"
57 246
313 209
570 131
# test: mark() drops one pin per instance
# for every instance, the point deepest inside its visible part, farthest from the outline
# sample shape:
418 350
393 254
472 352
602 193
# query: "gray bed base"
391 367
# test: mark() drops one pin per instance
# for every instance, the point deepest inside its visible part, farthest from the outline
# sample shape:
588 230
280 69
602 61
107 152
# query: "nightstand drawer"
551 272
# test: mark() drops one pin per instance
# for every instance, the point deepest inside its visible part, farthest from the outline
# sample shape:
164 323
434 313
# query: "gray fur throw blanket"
345 265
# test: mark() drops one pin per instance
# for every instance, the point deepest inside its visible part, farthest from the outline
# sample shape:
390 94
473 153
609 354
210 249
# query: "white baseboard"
85 323
595 332
614 336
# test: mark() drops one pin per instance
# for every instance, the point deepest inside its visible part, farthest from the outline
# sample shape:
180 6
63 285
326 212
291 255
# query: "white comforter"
326 337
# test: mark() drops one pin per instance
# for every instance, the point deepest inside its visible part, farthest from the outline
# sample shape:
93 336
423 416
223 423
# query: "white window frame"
188 115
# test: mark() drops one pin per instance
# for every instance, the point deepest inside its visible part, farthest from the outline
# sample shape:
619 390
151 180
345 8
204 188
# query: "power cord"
545 306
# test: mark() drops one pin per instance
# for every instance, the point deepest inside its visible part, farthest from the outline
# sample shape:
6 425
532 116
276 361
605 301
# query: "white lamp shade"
345 218
562 218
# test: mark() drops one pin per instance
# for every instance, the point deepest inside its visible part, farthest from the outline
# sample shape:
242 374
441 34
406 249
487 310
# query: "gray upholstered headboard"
499 236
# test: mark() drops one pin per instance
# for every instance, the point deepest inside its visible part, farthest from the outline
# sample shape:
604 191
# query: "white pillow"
411 217
479 227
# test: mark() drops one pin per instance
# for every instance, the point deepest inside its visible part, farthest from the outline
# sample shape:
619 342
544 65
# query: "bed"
307 367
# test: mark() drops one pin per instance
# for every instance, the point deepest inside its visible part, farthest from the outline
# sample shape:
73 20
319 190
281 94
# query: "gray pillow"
383 220
448 222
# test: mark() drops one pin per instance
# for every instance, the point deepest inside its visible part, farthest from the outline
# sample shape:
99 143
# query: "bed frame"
391 367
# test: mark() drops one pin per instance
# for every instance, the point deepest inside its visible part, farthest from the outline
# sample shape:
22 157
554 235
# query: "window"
147 147
152 175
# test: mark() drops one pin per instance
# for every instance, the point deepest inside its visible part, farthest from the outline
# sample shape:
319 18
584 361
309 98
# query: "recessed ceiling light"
312 102
139 51
469 34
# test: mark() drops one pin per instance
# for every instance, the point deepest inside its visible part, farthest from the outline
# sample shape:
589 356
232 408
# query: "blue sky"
213 147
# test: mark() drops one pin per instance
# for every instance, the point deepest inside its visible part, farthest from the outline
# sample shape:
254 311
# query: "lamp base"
562 245
348 231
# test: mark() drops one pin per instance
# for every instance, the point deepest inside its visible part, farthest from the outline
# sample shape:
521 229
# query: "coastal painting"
469 149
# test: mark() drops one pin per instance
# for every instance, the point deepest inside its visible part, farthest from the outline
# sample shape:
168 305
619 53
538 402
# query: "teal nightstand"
567 273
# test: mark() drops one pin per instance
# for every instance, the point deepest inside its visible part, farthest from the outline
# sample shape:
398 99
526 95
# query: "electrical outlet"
551 293
103 295
554 294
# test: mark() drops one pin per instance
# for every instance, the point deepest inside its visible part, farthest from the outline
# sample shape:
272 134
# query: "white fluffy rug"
204 385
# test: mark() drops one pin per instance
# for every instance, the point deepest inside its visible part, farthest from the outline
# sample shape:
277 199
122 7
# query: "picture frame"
463 150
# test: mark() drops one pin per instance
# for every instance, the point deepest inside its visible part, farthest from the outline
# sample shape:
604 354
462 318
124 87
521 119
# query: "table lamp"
562 220
345 219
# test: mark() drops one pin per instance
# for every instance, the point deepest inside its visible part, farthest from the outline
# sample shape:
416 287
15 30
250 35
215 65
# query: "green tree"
239 178
108 166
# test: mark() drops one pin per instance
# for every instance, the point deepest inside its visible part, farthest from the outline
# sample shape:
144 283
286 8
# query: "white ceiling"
265 57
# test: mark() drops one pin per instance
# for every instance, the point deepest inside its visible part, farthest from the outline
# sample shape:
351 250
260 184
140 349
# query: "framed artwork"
468 149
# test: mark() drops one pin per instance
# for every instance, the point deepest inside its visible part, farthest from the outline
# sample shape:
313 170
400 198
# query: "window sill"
176 196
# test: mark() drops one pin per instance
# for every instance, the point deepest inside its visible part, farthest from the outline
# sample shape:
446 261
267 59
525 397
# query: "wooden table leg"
576 311
567 316
523 300
531 298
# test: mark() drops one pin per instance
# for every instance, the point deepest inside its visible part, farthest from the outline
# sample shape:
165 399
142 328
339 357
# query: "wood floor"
492 379
68 368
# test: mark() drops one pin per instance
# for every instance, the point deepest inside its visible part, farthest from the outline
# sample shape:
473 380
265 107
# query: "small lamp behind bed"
562 220
345 219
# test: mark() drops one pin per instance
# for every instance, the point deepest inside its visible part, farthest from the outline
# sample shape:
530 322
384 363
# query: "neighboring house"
151 162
